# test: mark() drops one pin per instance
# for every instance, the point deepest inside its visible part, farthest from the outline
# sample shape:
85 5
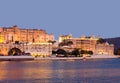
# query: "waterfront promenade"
78 58
20 58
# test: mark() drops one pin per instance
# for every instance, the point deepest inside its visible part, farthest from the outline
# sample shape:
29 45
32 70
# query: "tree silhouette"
65 43
83 52
16 42
76 52
90 52
100 41
69 43
61 51
53 52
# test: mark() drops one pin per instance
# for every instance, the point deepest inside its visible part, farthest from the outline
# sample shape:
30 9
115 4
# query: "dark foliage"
90 52
86 52
66 43
62 52
54 52
83 52
76 52
100 41
16 42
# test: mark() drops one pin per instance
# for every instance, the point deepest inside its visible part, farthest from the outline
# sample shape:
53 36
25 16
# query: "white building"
105 48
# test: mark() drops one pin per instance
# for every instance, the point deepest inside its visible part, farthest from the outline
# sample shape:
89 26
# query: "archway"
14 51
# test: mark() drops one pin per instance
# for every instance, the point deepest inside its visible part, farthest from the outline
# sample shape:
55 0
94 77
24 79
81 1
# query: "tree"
69 42
53 52
86 52
76 52
16 42
100 41
61 51
62 43
65 43
90 52
83 52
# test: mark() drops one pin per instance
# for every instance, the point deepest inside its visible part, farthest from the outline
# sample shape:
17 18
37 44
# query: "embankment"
15 58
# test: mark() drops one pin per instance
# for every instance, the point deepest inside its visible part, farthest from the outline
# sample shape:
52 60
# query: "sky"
78 17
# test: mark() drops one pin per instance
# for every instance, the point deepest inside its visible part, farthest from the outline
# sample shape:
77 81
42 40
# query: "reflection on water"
78 71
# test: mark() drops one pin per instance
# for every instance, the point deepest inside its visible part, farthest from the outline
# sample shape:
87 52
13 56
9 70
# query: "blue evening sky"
88 17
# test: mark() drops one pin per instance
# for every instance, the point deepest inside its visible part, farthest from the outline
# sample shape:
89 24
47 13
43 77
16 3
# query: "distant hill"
115 41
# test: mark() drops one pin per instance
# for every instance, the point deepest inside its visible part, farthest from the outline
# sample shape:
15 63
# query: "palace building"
13 34
104 48
88 43
33 41
84 43
65 37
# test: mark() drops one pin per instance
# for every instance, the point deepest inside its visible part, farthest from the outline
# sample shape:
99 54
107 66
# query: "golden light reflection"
39 72
22 73
50 70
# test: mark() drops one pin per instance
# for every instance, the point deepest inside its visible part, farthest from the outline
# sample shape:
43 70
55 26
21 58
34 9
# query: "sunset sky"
88 17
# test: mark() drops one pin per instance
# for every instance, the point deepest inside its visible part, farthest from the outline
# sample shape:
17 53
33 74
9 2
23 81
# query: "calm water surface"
78 71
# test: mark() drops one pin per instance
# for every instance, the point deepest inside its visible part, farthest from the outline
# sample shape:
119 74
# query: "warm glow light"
1 39
40 43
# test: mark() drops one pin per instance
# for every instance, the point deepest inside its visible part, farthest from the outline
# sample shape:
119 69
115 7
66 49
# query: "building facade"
35 49
105 48
65 37
84 43
90 44
12 34
32 41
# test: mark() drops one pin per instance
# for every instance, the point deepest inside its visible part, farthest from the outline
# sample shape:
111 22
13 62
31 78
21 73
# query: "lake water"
64 71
